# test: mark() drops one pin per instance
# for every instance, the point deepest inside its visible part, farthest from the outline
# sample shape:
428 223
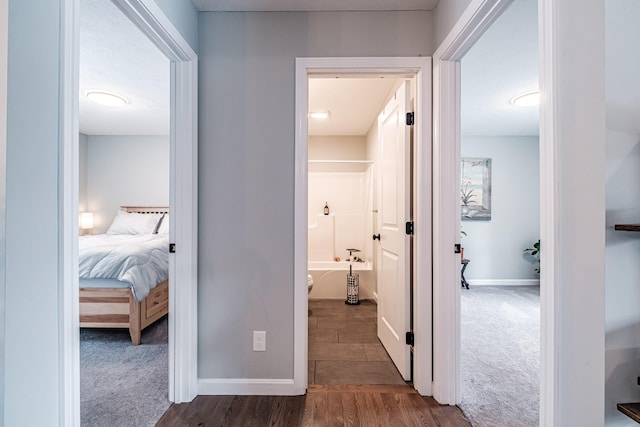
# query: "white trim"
4 48
246 387
446 264
300 230
68 303
549 208
504 282
420 68
183 202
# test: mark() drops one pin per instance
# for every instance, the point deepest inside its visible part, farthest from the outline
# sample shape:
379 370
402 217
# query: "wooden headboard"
146 209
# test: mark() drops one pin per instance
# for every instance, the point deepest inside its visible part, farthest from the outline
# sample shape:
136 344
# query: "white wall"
32 365
495 247
623 270
83 158
246 173
4 12
125 171
337 148
622 328
579 213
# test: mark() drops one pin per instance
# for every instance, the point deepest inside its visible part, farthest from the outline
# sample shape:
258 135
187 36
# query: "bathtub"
330 279
338 265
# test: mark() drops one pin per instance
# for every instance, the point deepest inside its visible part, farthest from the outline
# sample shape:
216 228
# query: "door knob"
376 237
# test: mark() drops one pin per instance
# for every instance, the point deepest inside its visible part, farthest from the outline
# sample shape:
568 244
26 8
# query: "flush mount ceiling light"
320 115
527 99
108 99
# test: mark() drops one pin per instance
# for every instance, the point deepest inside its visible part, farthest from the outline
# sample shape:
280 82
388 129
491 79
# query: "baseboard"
246 386
504 282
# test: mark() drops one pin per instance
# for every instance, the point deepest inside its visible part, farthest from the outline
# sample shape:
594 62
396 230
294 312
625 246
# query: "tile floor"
344 346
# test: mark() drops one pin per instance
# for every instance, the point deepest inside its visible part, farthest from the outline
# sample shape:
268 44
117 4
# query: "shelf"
627 227
631 410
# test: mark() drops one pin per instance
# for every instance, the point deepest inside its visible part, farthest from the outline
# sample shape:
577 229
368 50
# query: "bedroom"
124 160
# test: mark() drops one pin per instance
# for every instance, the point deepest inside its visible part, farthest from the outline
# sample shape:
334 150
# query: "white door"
394 211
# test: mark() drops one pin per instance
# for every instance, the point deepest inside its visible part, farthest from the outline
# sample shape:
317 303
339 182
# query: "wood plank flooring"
352 382
324 405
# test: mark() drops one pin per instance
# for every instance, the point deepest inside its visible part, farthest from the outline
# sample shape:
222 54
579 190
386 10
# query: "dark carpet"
121 384
500 357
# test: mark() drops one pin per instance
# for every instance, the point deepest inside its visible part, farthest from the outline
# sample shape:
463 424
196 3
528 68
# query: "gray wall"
246 169
125 171
446 15
495 247
184 17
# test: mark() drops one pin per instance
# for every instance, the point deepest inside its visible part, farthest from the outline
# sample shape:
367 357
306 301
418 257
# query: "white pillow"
164 225
134 223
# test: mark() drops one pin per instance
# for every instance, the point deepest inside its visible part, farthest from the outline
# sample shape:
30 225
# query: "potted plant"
535 254
466 197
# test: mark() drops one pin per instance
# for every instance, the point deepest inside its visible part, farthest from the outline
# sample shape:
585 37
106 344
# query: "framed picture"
475 188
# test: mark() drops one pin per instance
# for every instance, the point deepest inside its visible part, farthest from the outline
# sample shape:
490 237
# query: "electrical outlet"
259 341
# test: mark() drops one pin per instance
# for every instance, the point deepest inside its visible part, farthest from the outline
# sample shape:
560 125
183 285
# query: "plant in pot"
534 252
466 196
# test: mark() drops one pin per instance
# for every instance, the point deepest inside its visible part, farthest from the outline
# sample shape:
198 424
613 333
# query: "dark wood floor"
352 382
324 405
344 346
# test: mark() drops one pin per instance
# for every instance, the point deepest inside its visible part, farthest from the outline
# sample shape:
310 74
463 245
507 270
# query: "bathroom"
342 181
345 170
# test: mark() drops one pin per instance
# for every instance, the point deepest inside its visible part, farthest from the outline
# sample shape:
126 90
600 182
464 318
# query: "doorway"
124 174
500 136
418 68
182 200
359 186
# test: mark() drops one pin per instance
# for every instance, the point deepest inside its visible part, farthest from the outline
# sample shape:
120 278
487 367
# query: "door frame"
147 16
420 68
474 21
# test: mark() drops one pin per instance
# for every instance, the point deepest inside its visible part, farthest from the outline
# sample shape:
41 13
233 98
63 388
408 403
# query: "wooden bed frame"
117 307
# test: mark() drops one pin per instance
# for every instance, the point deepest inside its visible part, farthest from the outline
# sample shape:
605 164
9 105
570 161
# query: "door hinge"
456 248
409 338
408 228
410 119
172 248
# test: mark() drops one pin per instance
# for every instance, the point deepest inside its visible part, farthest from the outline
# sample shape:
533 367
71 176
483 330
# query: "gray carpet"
121 384
500 357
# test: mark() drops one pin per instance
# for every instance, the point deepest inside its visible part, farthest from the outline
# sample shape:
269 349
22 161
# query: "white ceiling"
115 56
353 103
501 65
311 5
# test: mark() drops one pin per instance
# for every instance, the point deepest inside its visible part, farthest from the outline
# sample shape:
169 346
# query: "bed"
123 300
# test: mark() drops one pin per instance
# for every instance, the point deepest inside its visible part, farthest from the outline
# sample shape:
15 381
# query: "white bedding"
141 260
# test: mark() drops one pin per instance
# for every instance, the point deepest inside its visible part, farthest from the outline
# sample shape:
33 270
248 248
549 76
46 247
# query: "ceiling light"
528 99
107 99
320 115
